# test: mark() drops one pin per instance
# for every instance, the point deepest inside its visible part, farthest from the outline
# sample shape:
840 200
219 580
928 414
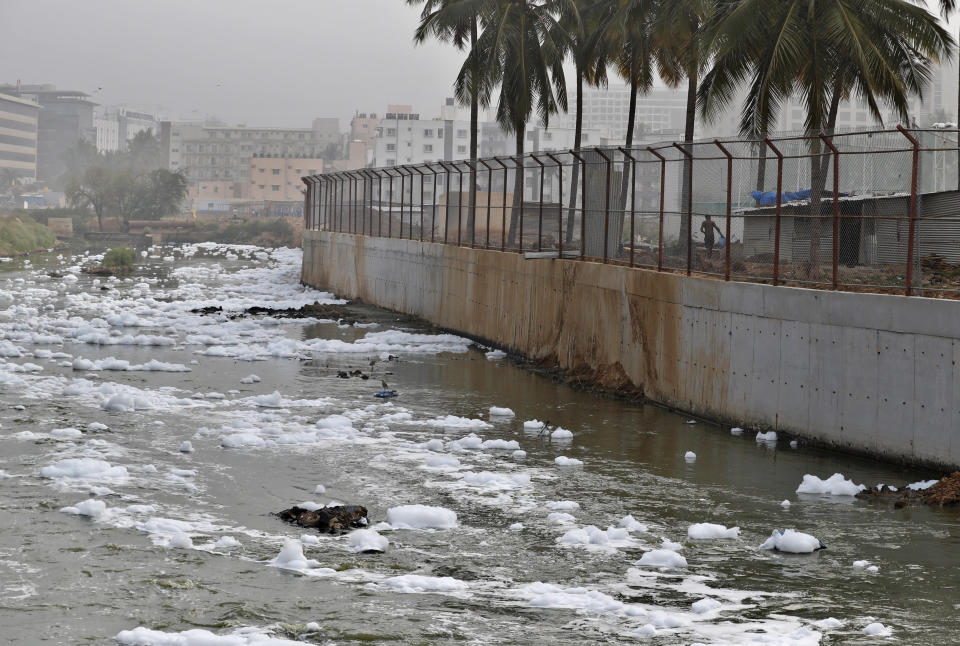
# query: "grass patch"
120 260
23 235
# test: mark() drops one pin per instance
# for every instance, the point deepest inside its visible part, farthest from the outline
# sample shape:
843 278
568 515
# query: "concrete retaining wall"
870 373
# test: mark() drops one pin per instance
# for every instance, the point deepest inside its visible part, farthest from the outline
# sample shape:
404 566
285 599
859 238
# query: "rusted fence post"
503 209
446 198
689 155
606 206
489 196
776 217
633 194
533 156
559 204
836 208
523 176
390 208
433 210
663 184
420 173
726 261
379 203
911 231
583 202
459 203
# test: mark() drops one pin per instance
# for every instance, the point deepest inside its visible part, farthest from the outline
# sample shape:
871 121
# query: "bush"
22 235
120 258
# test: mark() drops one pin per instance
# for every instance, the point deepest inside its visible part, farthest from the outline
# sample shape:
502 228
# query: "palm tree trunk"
631 122
575 172
474 117
686 194
516 210
819 165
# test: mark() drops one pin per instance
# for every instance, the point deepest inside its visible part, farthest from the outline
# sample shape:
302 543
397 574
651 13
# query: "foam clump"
225 542
198 637
769 436
564 461
250 379
704 606
490 480
291 557
662 558
690 456
790 540
835 485
563 505
631 524
421 517
710 531
367 540
186 447
91 508
876 629
420 583
592 535
561 434
496 411
453 421
83 469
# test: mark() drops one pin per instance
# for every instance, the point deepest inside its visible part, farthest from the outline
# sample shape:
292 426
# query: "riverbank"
866 373
19 236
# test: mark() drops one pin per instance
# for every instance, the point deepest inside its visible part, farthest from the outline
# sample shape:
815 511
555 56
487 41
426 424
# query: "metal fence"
868 210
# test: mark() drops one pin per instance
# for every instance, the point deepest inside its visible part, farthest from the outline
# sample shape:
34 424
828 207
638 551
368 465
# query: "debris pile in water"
941 493
332 520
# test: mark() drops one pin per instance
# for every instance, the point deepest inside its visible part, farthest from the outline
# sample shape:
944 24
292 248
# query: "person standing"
706 228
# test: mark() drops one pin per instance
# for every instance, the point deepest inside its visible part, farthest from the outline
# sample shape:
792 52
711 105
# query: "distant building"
107 129
18 136
402 137
116 126
277 179
66 118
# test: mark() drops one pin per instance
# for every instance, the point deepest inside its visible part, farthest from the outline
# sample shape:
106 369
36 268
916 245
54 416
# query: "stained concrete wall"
871 373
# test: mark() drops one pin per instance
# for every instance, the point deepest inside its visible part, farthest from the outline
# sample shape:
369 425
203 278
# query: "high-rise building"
65 119
18 136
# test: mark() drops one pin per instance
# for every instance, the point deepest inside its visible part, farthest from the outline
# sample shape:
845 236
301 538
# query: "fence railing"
869 210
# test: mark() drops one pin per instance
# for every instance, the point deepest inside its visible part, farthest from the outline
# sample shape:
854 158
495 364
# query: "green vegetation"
120 259
265 232
23 235
125 186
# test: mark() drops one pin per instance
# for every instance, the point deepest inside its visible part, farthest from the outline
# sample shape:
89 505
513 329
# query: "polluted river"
153 426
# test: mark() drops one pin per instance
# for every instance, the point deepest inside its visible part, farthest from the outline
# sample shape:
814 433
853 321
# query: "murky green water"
69 579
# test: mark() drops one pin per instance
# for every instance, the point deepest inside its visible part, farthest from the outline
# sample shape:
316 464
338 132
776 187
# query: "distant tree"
144 151
93 189
331 153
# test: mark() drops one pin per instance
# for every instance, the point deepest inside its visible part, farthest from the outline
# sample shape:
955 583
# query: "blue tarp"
770 197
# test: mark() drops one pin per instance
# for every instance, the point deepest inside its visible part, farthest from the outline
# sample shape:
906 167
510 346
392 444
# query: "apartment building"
18 136
277 179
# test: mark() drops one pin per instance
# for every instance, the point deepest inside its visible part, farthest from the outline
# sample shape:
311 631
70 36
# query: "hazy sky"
260 62
263 62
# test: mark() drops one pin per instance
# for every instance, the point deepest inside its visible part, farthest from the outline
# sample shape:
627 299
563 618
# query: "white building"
403 137
117 125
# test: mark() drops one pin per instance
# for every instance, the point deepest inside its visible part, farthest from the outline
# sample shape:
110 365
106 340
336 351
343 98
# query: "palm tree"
678 26
825 51
946 8
520 57
582 27
635 53
456 21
